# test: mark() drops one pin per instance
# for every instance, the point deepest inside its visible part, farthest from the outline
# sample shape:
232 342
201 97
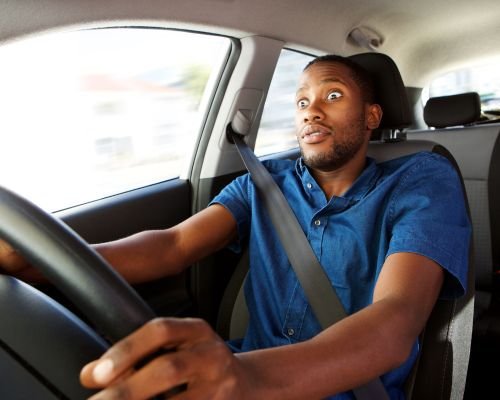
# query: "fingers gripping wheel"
73 266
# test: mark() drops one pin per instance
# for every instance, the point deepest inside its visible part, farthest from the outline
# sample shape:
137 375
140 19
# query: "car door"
101 127
117 130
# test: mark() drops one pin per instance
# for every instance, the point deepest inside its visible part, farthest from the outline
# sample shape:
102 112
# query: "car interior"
133 141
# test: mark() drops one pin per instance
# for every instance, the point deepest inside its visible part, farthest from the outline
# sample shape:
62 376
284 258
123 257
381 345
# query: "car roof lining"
432 38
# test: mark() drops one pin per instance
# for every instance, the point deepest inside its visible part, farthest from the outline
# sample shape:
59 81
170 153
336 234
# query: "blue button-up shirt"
411 204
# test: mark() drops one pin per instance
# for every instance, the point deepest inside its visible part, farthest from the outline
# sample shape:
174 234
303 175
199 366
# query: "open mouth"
314 133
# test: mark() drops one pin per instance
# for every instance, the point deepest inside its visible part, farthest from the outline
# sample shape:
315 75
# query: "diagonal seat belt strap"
309 271
319 292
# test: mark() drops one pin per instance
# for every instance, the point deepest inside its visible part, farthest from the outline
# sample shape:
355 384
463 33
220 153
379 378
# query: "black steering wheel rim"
68 262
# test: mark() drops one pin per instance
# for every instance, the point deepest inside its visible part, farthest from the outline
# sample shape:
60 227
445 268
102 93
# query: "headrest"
459 109
390 92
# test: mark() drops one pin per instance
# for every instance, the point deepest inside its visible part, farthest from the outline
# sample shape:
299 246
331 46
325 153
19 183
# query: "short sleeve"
428 216
234 197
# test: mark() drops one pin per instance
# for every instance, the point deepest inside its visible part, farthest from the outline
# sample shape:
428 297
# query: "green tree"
195 78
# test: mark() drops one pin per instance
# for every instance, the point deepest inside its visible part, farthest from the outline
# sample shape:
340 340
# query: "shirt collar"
361 186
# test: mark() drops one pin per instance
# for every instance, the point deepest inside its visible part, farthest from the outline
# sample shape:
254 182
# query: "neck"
338 181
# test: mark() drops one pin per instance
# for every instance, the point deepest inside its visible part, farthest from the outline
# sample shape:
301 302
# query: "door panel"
154 207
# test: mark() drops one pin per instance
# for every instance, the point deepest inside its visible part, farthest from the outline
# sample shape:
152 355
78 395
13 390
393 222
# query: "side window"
92 113
277 126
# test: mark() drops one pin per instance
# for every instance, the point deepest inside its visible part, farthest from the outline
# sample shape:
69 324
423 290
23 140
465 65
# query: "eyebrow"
322 81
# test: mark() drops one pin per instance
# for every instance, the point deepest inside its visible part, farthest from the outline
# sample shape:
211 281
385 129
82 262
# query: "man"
392 238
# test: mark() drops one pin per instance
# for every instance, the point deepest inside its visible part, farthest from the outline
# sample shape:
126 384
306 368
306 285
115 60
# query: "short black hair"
360 75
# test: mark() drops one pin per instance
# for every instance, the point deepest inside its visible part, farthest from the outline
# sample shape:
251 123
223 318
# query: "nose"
313 113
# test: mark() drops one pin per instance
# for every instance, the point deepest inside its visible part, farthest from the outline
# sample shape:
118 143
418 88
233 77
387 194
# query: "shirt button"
291 331
317 222
309 185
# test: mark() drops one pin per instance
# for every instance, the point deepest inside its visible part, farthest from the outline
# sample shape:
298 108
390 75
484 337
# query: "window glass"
483 79
277 126
92 113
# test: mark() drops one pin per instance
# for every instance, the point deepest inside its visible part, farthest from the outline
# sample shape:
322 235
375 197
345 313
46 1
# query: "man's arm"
154 254
348 354
151 254
365 345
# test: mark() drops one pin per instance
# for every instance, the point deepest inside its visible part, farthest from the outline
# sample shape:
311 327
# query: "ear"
373 116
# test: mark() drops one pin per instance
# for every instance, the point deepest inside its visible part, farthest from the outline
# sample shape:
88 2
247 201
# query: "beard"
341 152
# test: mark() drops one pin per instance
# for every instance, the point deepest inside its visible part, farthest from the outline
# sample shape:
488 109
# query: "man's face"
331 116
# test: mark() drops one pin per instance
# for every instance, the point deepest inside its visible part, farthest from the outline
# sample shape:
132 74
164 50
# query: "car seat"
476 149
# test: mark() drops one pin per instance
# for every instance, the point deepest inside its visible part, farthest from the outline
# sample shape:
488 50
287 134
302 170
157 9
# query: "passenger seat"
476 148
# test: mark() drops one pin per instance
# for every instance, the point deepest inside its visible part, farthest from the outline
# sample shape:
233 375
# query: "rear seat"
476 149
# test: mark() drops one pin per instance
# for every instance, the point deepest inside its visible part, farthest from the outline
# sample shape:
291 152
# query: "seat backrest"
442 368
476 149
455 110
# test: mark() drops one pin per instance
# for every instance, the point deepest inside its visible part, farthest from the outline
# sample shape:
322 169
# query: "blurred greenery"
195 78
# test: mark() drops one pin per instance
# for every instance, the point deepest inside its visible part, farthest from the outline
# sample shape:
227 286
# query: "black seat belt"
319 292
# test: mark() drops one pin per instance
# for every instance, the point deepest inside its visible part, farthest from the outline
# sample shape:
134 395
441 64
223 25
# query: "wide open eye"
334 95
302 103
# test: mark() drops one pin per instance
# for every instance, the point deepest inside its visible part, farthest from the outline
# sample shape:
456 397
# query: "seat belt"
319 292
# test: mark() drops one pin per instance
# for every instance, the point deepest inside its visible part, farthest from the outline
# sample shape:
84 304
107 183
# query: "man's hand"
10 261
200 360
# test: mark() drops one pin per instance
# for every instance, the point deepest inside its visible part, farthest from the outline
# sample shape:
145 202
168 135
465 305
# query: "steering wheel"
32 320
